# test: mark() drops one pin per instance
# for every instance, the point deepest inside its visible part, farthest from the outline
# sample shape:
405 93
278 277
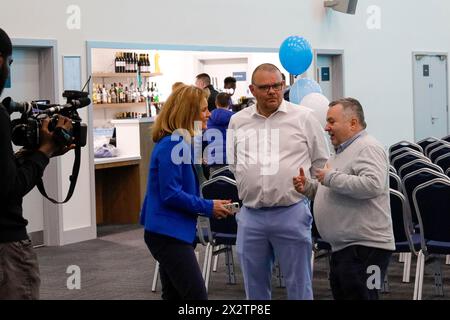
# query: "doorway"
33 77
430 95
329 66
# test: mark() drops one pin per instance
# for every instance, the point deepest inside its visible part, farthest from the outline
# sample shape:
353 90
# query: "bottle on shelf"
157 67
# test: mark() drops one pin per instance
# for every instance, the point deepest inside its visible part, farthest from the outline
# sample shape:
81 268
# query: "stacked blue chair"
223 232
414 179
405 144
446 138
416 165
432 204
405 158
444 162
406 240
427 141
429 148
439 151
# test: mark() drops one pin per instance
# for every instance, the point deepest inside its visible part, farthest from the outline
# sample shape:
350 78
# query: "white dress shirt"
266 153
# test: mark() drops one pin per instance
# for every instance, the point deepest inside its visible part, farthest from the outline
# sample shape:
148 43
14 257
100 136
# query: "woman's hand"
219 211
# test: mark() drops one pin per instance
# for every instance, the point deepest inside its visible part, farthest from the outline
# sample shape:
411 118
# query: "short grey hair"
352 106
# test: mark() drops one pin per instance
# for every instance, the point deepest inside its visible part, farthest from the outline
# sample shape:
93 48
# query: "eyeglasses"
266 87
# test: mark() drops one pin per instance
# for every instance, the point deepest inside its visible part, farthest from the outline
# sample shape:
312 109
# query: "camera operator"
19 270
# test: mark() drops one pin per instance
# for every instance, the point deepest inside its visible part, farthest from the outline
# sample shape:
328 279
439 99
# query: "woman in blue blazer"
172 202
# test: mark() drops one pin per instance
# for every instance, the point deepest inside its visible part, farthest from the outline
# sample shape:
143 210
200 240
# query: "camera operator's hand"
49 145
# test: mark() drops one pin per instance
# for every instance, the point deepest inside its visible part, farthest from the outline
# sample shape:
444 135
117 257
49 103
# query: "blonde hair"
177 85
180 111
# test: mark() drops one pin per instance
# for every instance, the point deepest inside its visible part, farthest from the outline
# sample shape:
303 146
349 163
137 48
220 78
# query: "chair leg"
279 275
418 283
438 285
407 267
216 261
205 261
155 277
447 259
229 261
312 262
385 286
401 257
208 266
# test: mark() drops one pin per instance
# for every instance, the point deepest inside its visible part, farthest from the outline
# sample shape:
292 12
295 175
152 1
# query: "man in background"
203 81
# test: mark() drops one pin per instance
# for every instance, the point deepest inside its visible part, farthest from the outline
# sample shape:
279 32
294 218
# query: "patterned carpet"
118 265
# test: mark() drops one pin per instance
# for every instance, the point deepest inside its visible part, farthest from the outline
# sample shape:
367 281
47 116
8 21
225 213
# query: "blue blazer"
172 202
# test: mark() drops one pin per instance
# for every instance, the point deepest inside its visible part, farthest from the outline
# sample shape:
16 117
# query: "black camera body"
25 130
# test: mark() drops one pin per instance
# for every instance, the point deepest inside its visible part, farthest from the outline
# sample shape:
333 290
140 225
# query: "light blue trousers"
281 232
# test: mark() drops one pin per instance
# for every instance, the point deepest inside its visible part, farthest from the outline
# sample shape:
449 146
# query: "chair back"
416 165
439 151
425 142
224 172
443 162
433 146
432 203
221 188
414 179
395 182
405 158
403 144
446 138
400 151
401 219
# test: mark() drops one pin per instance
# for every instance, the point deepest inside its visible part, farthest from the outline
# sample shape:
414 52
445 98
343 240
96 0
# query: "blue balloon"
301 88
296 55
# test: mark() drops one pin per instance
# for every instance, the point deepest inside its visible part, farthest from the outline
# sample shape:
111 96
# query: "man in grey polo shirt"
351 204
268 143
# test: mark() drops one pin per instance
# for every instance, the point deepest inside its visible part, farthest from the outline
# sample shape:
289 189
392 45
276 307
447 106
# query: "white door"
430 96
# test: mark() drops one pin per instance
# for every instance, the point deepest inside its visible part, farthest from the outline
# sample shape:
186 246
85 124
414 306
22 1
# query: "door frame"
49 87
413 57
338 85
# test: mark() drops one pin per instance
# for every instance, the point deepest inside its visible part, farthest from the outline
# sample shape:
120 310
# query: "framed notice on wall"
72 72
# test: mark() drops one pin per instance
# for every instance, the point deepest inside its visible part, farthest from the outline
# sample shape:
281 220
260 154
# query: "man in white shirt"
266 145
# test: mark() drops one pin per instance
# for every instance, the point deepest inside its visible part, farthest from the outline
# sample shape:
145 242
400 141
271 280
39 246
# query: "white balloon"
319 104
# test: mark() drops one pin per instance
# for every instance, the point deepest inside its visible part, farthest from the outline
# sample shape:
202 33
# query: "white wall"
377 63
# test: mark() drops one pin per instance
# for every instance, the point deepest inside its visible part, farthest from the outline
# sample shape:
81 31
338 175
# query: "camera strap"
73 179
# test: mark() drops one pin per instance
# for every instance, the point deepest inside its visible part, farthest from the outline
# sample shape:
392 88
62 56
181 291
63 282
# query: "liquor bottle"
104 95
120 92
127 63
121 63
116 63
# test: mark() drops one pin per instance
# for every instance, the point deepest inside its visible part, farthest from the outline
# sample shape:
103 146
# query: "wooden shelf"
119 105
124 75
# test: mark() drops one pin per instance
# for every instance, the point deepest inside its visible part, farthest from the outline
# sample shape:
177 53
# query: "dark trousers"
180 274
352 275
19 271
